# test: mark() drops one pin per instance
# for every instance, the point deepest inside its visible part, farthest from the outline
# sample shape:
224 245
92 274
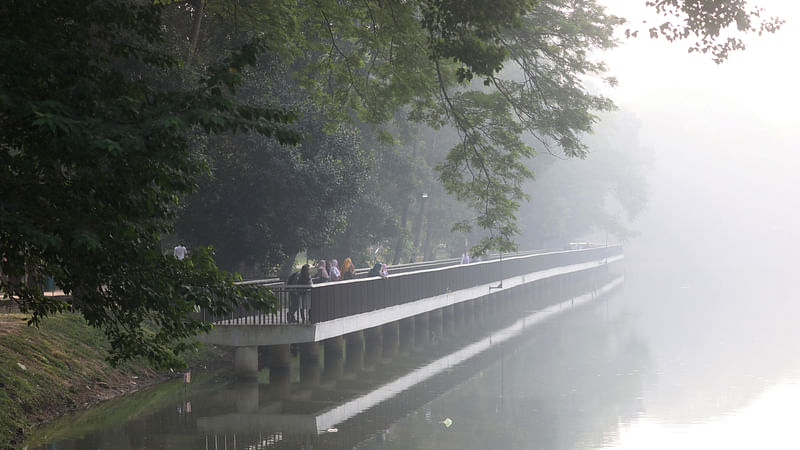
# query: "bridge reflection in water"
361 396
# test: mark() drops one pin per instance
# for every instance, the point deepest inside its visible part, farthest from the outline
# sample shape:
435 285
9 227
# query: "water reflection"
525 376
570 385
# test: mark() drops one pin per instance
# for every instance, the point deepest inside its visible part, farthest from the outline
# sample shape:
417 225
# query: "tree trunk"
418 227
199 10
347 244
427 251
398 247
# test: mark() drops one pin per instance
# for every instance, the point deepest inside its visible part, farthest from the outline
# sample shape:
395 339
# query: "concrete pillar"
469 313
407 334
334 357
458 314
279 369
421 330
310 369
245 363
436 326
477 308
263 357
391 339
448 321
245 394
373 346
354 352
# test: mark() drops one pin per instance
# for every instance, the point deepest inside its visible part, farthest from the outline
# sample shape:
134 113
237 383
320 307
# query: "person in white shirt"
465 258
179 251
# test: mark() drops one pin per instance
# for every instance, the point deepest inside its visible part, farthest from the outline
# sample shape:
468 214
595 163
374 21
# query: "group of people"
329 270
299 301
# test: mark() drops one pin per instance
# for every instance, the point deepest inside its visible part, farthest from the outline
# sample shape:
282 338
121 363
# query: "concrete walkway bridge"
350 320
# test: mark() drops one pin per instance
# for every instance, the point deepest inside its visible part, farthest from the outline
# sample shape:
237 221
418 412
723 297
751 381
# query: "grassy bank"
59 367
113 413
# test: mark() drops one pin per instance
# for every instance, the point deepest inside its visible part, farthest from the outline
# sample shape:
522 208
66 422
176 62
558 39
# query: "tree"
264 202
712 24
372 59
104 105
94 152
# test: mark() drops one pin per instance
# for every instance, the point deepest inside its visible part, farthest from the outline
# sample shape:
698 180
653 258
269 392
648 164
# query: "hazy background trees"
269 128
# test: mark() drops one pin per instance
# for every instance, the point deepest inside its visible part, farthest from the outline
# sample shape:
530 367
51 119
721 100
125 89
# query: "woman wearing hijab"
334 273
348 269
322 272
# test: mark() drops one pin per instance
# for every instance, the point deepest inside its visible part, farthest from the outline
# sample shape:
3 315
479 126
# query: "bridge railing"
334 300
291 306
345 298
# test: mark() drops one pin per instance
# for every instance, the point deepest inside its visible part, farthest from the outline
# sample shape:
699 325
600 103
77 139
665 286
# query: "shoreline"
60 368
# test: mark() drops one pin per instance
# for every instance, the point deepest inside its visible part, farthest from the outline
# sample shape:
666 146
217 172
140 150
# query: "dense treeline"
266 128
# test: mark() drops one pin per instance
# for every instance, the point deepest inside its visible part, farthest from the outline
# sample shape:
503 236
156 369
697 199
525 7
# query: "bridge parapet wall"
336 300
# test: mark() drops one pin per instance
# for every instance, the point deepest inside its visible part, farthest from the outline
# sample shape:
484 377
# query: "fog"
712 273
724 138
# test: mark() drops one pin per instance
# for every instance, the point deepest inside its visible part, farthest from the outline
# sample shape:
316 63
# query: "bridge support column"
435 319
334 358
469 316
309 363
480 308
246 395
373 346
421 330
279 369
541 292
448 318
245 363
504 302
485 308
354 352
458 315
391 339
407 334
498 304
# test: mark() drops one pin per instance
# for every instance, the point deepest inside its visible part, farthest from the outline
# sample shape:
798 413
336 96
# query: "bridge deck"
384 301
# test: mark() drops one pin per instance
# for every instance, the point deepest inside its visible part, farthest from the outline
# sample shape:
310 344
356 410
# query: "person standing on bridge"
348 269
305 296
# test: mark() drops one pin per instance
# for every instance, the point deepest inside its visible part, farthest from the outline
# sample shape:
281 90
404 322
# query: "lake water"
668 362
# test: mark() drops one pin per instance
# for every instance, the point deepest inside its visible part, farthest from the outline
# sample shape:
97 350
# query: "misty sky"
724 139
